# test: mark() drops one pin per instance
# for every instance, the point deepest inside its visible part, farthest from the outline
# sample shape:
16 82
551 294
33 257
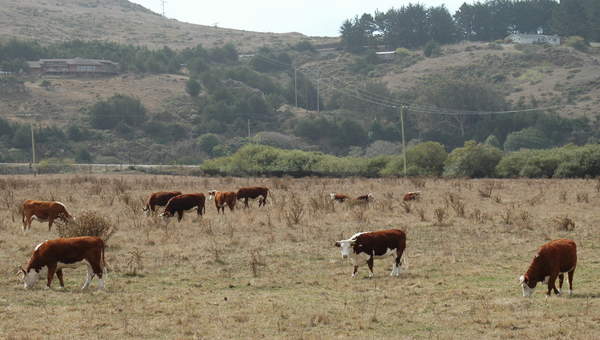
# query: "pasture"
273 272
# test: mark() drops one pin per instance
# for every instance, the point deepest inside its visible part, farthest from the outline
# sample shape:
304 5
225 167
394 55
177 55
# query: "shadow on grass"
585 296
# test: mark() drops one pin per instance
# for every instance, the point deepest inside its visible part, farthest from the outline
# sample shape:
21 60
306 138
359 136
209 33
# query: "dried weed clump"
88 223
134 262
564 223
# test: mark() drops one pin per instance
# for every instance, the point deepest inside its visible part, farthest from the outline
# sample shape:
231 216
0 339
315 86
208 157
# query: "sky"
309 17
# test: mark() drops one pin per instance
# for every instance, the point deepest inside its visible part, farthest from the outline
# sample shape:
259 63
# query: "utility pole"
248 128
296 87
33 150
402 108
318 89
163 2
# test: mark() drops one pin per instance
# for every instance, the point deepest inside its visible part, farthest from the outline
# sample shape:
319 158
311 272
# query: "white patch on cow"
332 196
527 291
30 278
100 283
558 292
546 279
57 202
570 292
211 194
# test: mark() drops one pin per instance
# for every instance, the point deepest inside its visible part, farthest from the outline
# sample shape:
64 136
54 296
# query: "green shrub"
473 160
529 138
577 43
432 49
192 87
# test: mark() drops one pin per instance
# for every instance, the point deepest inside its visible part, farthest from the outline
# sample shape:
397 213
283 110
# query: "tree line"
414 25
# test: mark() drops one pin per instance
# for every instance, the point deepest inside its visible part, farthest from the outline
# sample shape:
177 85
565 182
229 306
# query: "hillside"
124 22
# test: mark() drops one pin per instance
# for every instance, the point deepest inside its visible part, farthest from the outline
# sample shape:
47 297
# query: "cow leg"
89 276
231 206
97 270
59 274
552 285
396 270
28 222
560 282
179 215
51 271
246 203
370 263
355 270
50 220
570 277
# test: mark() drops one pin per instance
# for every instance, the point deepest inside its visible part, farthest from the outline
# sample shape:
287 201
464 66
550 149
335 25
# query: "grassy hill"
121 21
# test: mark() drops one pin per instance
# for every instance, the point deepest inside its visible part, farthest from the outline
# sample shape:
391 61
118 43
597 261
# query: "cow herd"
552 261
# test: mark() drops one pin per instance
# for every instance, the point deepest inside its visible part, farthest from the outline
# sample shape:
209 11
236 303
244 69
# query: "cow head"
370 196
30 277
527 285
347 247
146 211
332 196
211 194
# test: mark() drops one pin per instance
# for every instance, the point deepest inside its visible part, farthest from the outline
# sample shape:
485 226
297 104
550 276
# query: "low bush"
88 223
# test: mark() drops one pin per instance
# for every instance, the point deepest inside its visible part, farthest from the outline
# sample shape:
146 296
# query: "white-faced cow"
54 255
552 260
339 197
365 198
223 198
43 211
181 203
253 192
365 247
159 199
411 196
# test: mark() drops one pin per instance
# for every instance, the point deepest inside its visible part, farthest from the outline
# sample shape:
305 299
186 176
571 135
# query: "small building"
386 55
73 66
520 38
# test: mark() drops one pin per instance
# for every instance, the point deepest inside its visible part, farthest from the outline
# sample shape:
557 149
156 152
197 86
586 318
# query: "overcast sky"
310 17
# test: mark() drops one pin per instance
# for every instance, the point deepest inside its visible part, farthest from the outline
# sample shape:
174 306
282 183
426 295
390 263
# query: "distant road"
23 168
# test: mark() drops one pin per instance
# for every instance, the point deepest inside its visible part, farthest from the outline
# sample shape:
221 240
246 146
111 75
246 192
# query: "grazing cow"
223 198
253 192
364 247
159 199
43 211
411 196
181 203
65 253
552 259
339 197
365 198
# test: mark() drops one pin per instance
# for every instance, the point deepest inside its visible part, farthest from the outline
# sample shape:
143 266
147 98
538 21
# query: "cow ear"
337 244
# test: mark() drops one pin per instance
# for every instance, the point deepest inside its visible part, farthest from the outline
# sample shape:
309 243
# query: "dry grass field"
274 272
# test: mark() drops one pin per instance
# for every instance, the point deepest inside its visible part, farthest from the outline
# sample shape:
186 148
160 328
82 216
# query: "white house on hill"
520 38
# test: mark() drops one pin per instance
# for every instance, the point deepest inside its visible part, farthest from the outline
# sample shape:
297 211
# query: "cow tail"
104 266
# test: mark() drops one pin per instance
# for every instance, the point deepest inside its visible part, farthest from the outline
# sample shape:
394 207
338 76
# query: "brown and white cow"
43 211
365 198
253 192
223 198
180 203
366 246
339 197
552 260
159 199
411 196
54 255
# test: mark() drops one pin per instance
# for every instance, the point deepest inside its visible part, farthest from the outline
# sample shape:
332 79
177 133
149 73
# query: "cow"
365 198
411 196
339 197
180 203
253 192
365 246
159 199
43 211
62 253
552 260
223 198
